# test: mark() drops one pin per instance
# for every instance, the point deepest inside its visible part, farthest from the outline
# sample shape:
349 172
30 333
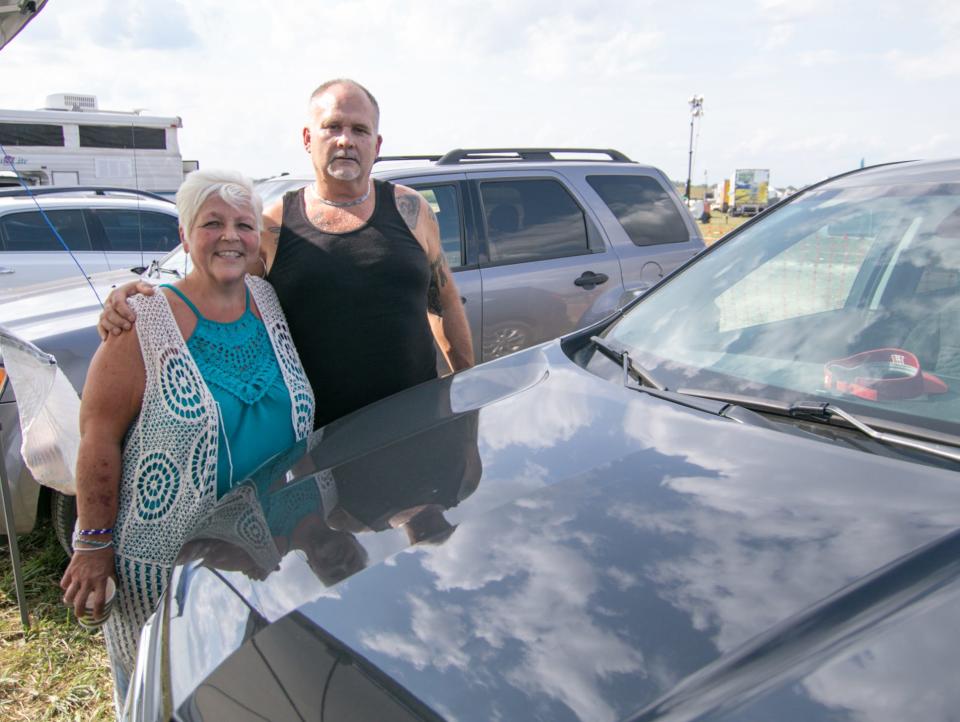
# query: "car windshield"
848 295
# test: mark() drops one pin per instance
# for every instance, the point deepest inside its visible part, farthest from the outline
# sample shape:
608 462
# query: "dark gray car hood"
590 553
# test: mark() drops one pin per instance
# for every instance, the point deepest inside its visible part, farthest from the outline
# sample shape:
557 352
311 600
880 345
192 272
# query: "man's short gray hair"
323 87
233 187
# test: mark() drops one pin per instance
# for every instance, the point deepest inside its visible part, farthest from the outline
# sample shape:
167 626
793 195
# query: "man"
357 265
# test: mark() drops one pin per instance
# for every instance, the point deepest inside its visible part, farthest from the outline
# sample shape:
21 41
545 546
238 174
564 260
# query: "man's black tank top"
356 304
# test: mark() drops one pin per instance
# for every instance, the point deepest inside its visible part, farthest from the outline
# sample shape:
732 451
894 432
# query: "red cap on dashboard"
883 374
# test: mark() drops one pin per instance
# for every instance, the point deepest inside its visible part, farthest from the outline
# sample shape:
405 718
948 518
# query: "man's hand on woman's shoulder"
117 316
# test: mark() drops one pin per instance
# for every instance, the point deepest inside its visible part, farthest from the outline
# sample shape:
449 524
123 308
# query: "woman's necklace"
341 204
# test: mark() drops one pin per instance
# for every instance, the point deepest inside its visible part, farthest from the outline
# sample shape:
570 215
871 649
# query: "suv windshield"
850 295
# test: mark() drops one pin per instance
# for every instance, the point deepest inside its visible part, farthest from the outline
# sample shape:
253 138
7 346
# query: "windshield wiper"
622 357
827 411
658 390
823 411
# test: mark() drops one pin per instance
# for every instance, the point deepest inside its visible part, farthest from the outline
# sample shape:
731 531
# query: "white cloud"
931 146
819 58
946 14
566 46
781 10
733 582
542 602
939 64
557 417
778 36
880 683
439 632
144 25
522 72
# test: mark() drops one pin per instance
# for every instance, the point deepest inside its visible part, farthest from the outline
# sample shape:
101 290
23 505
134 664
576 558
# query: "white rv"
71 142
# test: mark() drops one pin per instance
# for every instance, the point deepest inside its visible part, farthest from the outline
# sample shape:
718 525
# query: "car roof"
914 171
437 169
22 203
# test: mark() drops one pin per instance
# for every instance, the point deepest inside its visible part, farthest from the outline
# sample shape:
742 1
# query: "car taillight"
3 379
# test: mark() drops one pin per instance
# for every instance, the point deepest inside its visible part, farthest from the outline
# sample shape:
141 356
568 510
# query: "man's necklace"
341 204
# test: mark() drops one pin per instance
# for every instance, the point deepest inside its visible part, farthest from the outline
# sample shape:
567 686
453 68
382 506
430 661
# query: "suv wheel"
63 516
506 338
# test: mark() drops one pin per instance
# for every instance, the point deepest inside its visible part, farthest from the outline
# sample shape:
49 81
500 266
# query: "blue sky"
805 88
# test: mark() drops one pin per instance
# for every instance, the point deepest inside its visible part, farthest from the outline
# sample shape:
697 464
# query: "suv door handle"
589 279
4 271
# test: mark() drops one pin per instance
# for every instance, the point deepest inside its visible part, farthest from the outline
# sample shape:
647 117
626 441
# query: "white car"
105 231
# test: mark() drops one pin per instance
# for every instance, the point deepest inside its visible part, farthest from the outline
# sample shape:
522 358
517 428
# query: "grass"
719 225
56 670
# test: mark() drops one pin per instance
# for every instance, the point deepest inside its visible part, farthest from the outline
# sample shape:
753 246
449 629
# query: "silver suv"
543 241
105 230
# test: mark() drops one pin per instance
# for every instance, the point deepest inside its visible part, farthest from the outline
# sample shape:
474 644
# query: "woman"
208 388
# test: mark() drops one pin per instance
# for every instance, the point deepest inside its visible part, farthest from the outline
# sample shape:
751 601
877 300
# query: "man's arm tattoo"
438 279
409 206
432 217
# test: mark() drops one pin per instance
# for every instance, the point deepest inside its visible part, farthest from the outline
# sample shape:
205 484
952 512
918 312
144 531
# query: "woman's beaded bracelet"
95 532
89 544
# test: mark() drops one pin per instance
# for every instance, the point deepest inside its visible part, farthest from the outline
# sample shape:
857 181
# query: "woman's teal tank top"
239 366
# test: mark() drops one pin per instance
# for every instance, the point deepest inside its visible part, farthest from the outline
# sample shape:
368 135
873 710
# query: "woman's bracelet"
95 532
91 546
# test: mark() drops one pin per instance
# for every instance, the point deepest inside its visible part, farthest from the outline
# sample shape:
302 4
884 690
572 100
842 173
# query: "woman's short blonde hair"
233 187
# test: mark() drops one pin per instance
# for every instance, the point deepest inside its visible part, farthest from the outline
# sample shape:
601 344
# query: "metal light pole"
696 110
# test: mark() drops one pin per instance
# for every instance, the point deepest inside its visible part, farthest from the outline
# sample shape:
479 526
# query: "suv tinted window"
29 232
643 207
444 203
530 220
126 230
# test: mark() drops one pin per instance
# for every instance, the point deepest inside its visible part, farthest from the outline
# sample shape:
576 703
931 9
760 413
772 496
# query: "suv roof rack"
407 157
19 191
492 155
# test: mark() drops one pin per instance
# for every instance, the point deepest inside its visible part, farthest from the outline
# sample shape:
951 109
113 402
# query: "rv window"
109 136
31 134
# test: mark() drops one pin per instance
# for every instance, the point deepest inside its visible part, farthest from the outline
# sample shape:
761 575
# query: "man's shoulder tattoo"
409 206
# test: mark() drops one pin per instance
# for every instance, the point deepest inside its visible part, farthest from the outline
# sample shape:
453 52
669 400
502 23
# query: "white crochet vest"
169 477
